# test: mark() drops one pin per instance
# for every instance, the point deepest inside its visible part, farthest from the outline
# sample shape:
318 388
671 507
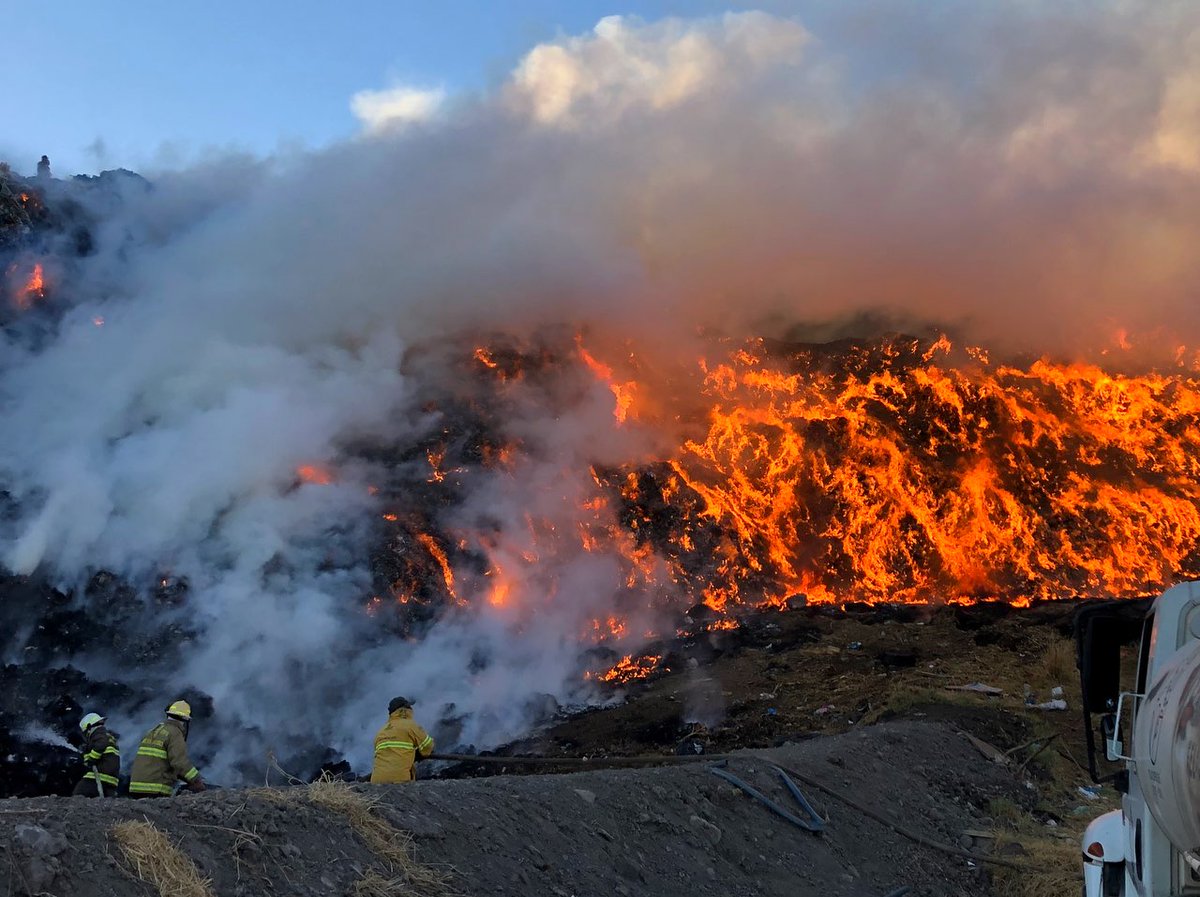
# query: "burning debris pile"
46 227
895 469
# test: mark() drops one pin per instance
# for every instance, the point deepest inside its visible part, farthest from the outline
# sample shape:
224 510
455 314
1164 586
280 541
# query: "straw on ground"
392 846
153 858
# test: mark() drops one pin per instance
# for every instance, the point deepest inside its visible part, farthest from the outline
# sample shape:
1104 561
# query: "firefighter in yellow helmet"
101 756
162 758
399 744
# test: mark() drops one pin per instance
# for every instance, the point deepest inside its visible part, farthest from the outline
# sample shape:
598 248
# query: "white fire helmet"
92 719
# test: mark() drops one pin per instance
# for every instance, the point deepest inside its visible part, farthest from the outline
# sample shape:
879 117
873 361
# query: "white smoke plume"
1028 176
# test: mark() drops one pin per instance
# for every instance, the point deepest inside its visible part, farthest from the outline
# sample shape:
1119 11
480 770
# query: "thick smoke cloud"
1028 178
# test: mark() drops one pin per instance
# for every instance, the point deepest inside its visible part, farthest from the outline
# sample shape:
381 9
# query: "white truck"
1150 737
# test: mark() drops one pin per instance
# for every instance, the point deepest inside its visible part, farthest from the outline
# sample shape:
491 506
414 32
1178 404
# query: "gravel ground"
663 831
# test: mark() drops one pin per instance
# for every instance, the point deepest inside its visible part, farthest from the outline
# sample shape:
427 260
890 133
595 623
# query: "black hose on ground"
815 824
907 832
593 762
656 759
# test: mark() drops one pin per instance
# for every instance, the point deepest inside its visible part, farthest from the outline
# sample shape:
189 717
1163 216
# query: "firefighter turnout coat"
102 757
161 761
397 747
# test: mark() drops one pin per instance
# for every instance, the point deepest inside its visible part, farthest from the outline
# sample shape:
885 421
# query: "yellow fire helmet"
181 709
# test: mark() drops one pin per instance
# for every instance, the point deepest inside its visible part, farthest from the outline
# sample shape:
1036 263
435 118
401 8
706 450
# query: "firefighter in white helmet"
102 758
162 758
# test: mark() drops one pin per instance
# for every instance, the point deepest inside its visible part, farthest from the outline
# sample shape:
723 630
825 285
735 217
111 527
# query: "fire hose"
659 759
596 762
814 823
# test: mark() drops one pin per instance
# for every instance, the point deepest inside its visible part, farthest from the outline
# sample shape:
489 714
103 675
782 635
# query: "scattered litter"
854 646
821 711
1056 704
978 688
1056 692
771 711
1091 792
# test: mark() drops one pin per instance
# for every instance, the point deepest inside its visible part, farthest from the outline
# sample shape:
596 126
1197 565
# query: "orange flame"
911 482
499 594
312 473
34 289
623 393
627 668
439 555
435 464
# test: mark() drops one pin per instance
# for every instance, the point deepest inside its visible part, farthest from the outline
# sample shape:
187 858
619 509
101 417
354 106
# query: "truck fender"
1105 835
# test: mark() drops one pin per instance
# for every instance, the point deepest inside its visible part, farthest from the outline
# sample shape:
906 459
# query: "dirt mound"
667 831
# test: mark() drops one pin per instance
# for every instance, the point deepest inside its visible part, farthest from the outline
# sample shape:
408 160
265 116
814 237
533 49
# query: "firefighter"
102 757
399 744
43 168
162 758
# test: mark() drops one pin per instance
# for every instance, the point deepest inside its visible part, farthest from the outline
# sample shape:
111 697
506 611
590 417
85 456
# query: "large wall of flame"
904 479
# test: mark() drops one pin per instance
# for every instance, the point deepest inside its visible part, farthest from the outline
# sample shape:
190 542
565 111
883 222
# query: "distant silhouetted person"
44 167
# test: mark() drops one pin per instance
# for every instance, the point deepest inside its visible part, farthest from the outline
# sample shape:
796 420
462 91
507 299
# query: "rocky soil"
666 831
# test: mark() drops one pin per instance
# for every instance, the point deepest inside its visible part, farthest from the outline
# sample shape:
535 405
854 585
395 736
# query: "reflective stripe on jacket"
397 746
161 761
103 754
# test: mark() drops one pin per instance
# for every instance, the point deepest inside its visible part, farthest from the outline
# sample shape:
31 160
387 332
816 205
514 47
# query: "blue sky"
152 84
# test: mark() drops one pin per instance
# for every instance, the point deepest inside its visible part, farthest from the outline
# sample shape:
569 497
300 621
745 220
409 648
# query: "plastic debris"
771 711
1056 692
821 711
1091 792
1056 704
854 646
977 688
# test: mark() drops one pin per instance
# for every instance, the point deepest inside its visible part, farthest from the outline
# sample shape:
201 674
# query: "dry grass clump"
375 885
392 846
155 859
1057 858
1058 663
274 795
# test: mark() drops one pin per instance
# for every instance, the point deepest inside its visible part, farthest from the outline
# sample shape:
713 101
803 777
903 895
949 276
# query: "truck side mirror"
1113 748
